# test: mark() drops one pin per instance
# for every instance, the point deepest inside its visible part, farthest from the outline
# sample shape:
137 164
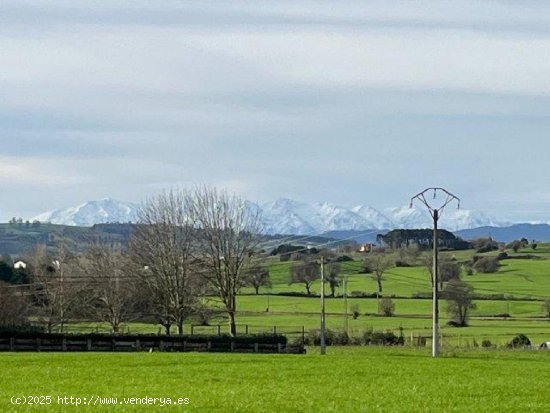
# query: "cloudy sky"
349 102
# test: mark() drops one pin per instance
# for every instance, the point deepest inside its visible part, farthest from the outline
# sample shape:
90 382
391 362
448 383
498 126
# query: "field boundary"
150 343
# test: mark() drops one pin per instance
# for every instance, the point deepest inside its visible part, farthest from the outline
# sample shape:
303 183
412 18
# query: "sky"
350 102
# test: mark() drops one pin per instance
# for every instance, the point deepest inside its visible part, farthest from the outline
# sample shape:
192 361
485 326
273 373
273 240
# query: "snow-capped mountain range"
93 212
287 216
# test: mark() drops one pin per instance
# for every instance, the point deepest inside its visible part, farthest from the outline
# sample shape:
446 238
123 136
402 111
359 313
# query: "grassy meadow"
524 282
346 380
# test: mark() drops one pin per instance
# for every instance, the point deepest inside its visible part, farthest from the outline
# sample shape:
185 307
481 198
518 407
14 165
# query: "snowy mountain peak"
287 216
93 212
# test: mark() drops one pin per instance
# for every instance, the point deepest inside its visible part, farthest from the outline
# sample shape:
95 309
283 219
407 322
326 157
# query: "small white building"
20 265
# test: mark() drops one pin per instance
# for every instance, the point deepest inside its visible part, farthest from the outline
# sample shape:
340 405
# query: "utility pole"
345 287
435 212
323 321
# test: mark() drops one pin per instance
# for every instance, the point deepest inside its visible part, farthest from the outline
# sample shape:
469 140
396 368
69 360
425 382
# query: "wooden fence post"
209 346
38 344
232 346
12 344
161 345
63 344
279 348
255 347
89 344
138 345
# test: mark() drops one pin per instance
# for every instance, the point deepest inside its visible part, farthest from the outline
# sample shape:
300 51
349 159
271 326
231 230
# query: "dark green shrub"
341 338
332 338
355 311
402 264
381 338
486 344
519 341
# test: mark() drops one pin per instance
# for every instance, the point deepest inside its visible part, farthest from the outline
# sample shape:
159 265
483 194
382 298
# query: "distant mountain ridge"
287 216
104 211
537 232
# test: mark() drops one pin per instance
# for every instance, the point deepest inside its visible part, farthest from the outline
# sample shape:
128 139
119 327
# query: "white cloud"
348 102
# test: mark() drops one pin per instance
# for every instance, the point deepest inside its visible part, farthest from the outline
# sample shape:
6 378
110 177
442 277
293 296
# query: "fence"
295 332
104 343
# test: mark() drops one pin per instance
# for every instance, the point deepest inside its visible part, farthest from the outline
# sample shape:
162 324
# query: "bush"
486 344
295 294
485 245
355 311
387 307
344 258
519 341
502 256
402 264
332 338
362 294
502 315
381 338
423 295
342 338
487 265
366 268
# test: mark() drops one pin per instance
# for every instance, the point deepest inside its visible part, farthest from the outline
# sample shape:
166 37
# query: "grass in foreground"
346 380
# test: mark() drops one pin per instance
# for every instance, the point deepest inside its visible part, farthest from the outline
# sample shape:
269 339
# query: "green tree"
6 272
333 277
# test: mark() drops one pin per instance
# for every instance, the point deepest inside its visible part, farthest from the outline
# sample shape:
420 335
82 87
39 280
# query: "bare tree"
257 276
227 234
379 263
459 296
54 288
160 249
111 291
448 269
306 273
14 308
410 253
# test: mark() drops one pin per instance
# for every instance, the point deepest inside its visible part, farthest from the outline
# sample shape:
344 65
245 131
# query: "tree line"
186 247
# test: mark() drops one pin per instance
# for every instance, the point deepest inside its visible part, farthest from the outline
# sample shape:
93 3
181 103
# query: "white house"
20 264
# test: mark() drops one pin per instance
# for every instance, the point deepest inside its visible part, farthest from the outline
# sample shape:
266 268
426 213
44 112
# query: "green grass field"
346 380
527 281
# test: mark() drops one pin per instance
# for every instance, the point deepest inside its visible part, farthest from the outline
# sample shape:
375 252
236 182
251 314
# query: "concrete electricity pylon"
323 315
435 212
